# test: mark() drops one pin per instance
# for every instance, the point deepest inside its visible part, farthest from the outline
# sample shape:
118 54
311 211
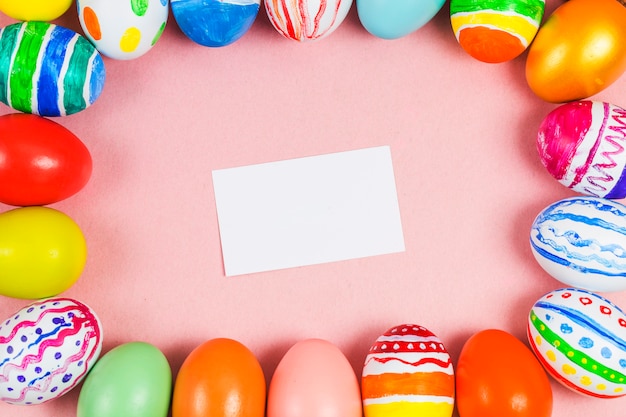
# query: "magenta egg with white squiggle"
46 349
305 21
583 145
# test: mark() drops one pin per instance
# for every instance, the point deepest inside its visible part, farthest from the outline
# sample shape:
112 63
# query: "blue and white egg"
581 241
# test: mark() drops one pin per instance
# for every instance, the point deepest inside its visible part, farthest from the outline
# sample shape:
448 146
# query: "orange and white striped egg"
407 372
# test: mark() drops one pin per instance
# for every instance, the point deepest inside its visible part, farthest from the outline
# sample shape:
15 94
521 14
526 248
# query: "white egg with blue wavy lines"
581 241
580 339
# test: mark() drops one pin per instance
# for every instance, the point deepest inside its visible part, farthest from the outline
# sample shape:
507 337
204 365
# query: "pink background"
462 136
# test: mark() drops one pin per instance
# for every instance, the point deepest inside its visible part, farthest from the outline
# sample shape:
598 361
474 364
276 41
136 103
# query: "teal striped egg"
48 70
580 339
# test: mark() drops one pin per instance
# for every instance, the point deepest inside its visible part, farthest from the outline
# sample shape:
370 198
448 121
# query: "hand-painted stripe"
408 398
579 268
21 81
521 27
531 8
42 60
548 366
55 55
417 383
579 358
76 76
8 45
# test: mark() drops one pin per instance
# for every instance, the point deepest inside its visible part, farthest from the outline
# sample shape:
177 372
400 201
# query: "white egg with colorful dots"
46 349
123 29
580 339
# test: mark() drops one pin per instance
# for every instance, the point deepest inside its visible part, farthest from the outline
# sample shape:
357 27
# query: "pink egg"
581 144
314 379
46 349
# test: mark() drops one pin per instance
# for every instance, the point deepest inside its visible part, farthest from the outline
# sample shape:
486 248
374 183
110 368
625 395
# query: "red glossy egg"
41 162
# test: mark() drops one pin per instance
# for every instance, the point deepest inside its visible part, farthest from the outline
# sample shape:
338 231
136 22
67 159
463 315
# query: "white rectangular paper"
308 211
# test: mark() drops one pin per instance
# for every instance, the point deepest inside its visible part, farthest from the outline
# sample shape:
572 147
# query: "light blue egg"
392 19
215 23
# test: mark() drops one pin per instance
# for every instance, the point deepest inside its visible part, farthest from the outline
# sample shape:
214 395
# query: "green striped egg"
496 30
48 70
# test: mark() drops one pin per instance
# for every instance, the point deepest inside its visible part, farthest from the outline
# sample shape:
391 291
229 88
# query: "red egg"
41 162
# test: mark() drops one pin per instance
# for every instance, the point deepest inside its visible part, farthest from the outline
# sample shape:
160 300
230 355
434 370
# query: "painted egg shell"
314 379
41 10
302 20
131 380
46 349
495 31
393 20
581 144
408 371
580 339
215 22
123 29
581 241
48 70
41 162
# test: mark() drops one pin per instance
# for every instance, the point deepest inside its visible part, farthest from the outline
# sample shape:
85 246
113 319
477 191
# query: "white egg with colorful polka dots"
123 29
46 349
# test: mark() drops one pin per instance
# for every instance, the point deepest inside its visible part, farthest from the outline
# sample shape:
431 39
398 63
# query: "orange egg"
498 376
221 378
579 51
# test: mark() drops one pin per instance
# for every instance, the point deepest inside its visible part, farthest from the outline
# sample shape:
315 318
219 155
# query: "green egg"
131 380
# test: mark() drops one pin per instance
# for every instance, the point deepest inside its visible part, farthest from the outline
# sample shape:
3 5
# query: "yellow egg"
42 252
40 10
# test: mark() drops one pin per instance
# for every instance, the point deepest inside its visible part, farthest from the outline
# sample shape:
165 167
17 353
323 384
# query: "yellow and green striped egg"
496 31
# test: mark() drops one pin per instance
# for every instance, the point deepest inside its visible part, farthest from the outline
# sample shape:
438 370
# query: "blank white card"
308 211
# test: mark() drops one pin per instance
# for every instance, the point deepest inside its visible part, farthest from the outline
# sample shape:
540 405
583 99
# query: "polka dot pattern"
578 337
123 29
50 346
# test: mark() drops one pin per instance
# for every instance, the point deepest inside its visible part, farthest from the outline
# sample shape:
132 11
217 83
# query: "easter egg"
314 379
41 10
48 70
42 252
215 23
581 241
131 380
304 21
579 51
580 339
41 162
46 349
393 20
497 375
408 372
220 377
581 144
496 31
123 29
